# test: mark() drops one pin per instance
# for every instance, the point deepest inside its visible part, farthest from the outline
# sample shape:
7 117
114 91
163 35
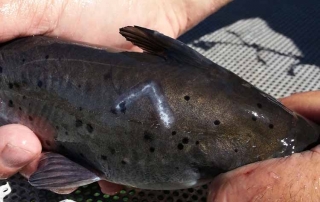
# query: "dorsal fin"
155 43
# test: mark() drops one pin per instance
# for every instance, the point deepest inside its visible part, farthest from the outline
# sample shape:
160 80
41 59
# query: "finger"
19 146
285 179
25 18
109 188
307 104
192 12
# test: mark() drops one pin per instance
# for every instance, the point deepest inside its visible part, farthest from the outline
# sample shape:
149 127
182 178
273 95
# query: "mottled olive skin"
66 93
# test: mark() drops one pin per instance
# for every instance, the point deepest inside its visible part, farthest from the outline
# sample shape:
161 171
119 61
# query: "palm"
98 21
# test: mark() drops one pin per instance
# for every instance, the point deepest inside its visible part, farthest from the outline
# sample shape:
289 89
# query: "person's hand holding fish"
97 22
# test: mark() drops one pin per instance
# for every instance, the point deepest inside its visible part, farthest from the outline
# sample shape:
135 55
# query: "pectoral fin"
56 172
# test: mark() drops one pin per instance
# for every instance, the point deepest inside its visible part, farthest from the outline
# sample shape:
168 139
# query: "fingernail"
15 157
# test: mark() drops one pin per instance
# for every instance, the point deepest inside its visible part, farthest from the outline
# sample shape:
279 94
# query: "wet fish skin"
165 119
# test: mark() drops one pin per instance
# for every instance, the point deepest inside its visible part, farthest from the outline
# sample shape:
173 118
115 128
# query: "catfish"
167 118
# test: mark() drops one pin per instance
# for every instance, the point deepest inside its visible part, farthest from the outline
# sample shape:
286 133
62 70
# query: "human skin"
97 22
94 22
293 178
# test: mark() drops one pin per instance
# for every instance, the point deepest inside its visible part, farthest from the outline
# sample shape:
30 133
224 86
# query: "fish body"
167 118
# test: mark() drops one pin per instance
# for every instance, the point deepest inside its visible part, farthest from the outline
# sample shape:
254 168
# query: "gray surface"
274 44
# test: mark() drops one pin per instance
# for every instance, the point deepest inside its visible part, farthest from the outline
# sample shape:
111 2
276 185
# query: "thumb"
19 146
292 178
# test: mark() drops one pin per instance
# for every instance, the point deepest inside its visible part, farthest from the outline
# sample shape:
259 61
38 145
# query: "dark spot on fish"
113 111
236 150
10 85
89 128
254 118
20 108
81 154
78 123
204 187
151 149
30 118
39 83
24 97
180 146
123 162
104 157
122 106
48 143
216 122
10 104
57 127
79 86
0 69
177 168
185 140
160 197
80 109
16 85
187 97
142 194
66 133
107 76
259 105
271 126
197 142
174 132
112 151
147 136
23 60
47 57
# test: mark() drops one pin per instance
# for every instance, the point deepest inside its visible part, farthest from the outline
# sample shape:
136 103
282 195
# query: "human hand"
98 21
292 178
90 21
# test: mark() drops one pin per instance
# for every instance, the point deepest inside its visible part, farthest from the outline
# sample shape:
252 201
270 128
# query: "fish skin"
158 120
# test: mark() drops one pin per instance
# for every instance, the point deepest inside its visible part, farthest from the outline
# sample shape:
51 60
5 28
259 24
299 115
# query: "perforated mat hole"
160 197
116 197
166 192
191 190
169 199
175 193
